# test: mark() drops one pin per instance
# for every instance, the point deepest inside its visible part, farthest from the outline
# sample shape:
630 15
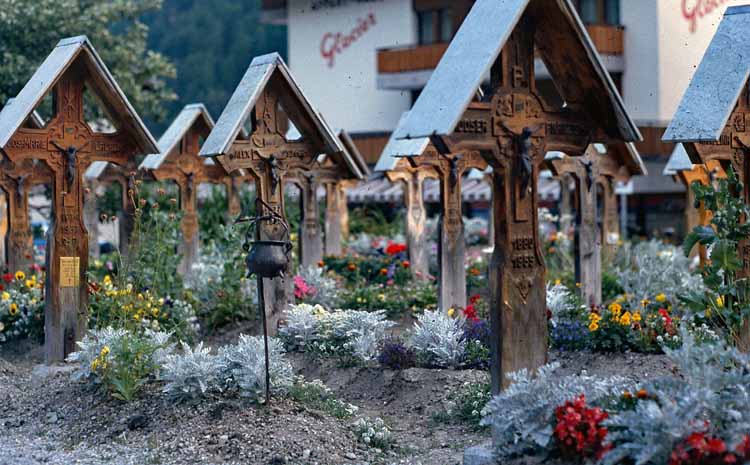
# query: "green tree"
211 44
30 29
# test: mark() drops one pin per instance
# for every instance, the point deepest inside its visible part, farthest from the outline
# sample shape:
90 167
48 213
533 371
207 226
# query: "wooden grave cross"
713 118
513 127
178 161
68 145
266 154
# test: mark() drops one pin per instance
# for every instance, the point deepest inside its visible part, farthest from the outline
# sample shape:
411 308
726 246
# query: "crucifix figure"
512 127
713 118
265 97
67 146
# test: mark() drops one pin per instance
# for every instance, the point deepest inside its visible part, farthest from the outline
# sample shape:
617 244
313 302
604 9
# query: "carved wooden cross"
513 130
16 179
449 169
413 178
123 176
67 145
188 170
269 157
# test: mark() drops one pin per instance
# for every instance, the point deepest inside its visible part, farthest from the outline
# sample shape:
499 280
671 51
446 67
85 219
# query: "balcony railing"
609 40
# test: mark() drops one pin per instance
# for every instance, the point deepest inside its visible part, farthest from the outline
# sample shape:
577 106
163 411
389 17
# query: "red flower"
8 278
578 432
470 312
700 449
406 264
474 299
394 248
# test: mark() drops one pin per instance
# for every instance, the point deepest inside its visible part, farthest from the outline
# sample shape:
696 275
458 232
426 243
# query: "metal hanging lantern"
266 259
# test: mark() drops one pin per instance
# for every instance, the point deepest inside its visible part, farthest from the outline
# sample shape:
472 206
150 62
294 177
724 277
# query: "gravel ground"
47 419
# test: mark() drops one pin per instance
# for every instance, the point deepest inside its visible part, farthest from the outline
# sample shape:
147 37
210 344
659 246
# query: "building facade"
364 62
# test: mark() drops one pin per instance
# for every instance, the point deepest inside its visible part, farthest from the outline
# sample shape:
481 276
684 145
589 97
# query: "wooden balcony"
609 40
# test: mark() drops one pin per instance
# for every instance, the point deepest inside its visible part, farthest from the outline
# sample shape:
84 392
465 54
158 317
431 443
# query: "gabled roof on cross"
716 85
103 85
626 154
175 132
678 161
396 149
350 148
34 121
261 71
477 45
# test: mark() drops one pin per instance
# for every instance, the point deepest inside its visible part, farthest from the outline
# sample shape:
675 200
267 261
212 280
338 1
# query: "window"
612 12
435 26
446 24
426 26
589 11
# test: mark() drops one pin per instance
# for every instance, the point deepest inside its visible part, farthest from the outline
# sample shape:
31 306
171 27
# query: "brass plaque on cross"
70 271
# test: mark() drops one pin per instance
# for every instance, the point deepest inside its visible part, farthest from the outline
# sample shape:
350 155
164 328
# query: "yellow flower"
593 326
155 312
95 364
6 297
105 351
2 326
594 317
661 298
645 302
615 308
30 284
720 301
636 317
381 297
625 319
451 312
107 280
557 282
708 313
578 284
20 275
13 309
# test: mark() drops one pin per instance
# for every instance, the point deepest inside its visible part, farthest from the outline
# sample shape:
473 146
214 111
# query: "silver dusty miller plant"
192 374
651 268
711 395
438 339
522 416
560 301
246 370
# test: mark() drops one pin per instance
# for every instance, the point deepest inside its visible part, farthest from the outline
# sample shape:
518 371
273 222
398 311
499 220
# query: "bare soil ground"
45 418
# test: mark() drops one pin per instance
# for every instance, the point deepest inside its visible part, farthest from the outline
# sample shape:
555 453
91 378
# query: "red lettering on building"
334 44
693 10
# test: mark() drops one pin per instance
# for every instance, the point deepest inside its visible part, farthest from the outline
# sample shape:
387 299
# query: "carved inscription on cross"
67 146
450 168
520 129
269 157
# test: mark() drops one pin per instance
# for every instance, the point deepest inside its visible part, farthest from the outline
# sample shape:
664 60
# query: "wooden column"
19 239
3 229
416 217
189 225
311 235
126 216
336 211
588 241
451 247
233 197
91 218
611 217
565 204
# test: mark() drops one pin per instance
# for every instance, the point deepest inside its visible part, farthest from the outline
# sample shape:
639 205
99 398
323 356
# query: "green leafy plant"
727 301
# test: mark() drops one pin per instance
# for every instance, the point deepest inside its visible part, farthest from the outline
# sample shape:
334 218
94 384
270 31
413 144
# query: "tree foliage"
211 44
30 29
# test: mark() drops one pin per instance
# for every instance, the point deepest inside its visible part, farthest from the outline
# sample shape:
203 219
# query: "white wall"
664 42
342 85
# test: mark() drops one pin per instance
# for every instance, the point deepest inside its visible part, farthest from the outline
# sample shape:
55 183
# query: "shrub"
438 339
21 307
193 373
374 433
318 396
119 360
522 416
246 369
396 355
471 399
313 286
